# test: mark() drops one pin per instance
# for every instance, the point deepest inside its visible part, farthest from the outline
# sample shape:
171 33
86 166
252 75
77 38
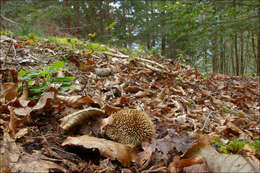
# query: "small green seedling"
236 145
45 79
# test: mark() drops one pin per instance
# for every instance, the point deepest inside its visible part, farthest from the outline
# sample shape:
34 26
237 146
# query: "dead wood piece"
152 68
150 61
103 71
116 55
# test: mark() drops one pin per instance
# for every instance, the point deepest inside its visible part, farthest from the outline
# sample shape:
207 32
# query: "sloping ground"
188 109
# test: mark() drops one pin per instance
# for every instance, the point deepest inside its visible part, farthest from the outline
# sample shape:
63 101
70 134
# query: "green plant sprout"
111 26
46 79
235 145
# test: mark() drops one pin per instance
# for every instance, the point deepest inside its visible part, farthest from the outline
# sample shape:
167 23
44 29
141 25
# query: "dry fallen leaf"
78 117
219 162
144 158
111 109
43 100
9 91
14 159
14 122
84 67
23 111
76 101
203 167
132 89
115 151
195 164
23 100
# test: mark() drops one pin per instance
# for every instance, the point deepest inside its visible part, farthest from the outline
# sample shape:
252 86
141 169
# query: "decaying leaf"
14 159
201 167
115 151
22 132
43 100
14 122
23 100
78 117
144 158
9 91
195 164
76 101
111 109
85 67
219 162
132 89
23 111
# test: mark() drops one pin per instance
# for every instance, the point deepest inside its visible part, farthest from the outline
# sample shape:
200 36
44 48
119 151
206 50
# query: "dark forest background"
213 36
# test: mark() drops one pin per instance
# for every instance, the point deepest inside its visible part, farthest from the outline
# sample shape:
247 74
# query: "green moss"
76 44
6 32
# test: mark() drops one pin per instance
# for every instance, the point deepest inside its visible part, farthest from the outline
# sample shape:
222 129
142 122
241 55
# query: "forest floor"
204 123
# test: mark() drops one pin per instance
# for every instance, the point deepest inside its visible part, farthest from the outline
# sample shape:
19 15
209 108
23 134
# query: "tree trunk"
147 25
153 33
68 18
1 4
163 44
224 65
77 18
236 55
214 58
242 55
221 69
172 50
258 42
247 54
232 59
253 46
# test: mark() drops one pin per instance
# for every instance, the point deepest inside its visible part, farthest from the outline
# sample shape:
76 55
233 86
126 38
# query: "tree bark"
236 55
77 18
173 50
68 18
1 4
232 59
253 46
258 42
214 58
147 25
242 55
222 56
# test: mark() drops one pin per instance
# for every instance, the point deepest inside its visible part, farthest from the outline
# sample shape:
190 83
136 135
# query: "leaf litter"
61 131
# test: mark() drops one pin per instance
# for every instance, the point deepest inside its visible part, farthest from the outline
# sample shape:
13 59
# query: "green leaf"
111 25
20 86
66 85
44 73
62 79
31 76
22 73
38 89
57 65
35 97
92 35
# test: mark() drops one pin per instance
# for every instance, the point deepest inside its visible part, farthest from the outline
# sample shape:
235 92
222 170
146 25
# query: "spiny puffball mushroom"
129 126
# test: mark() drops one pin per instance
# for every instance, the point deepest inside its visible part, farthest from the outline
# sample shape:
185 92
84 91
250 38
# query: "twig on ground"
206 121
